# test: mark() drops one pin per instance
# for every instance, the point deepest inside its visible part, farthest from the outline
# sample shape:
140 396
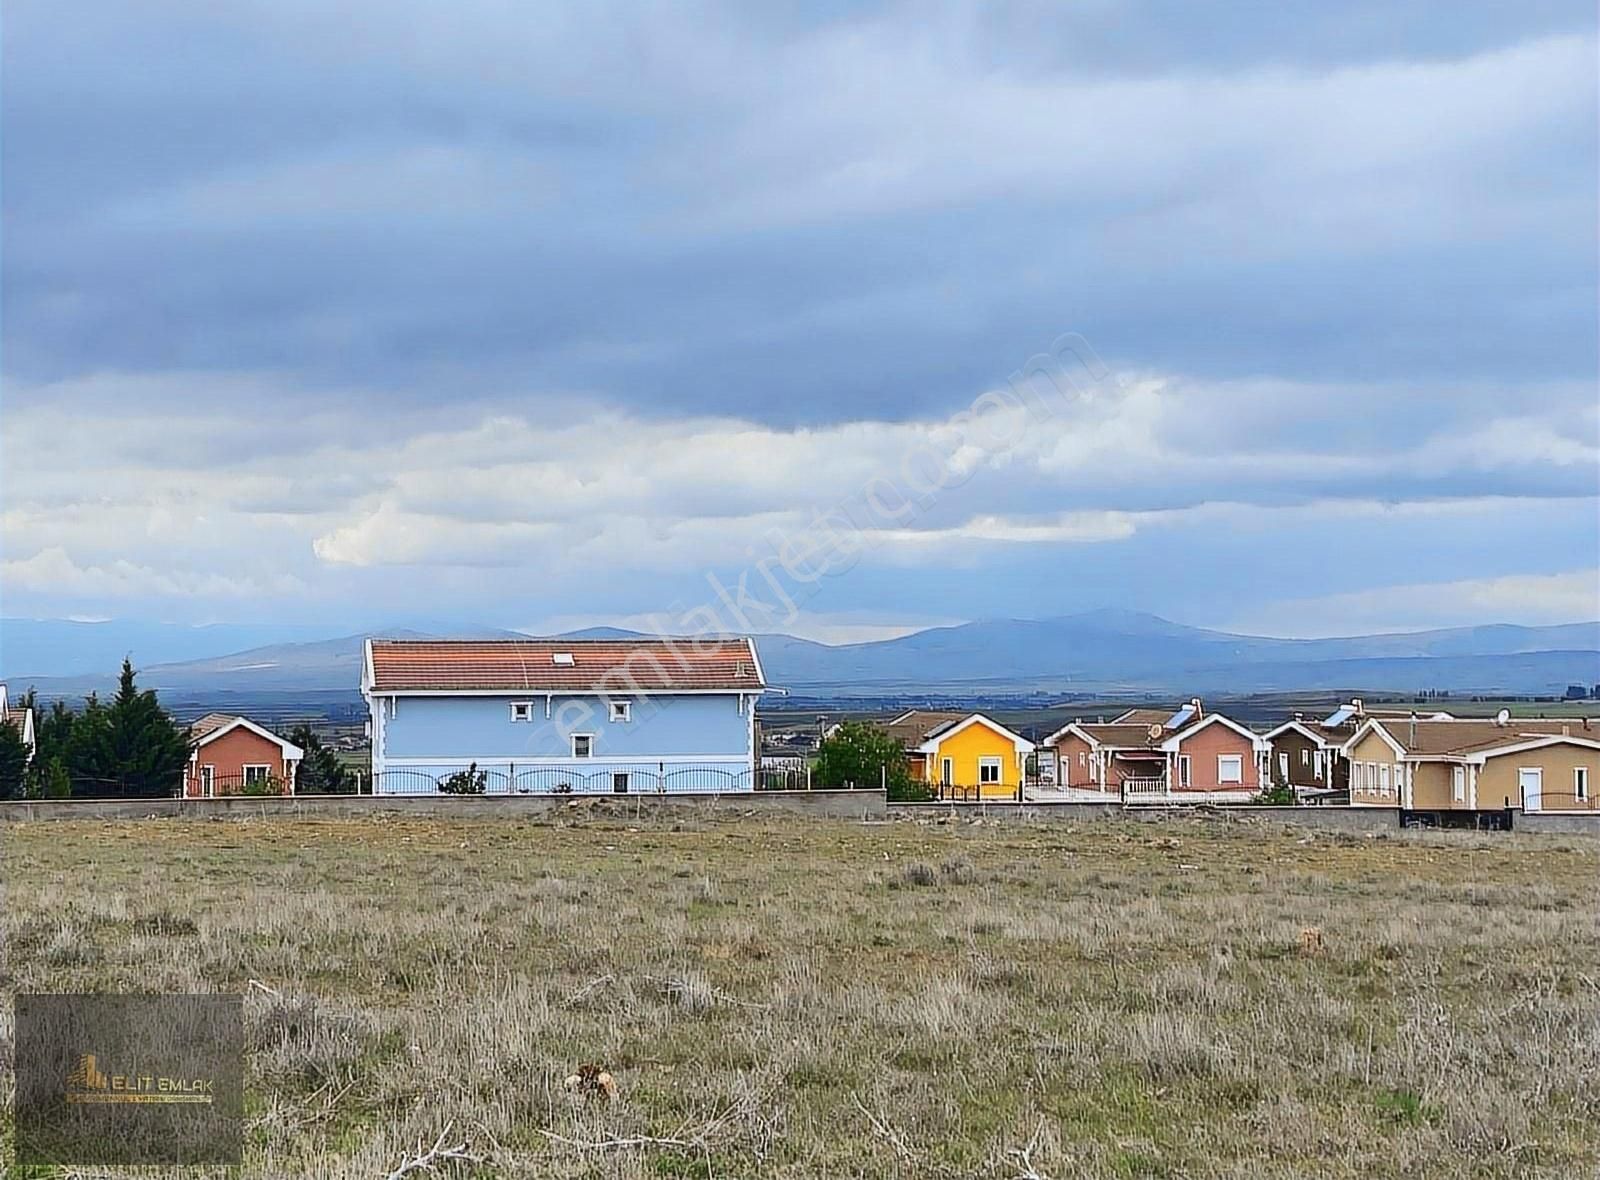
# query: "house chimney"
1566 729
1412 741
1299 716
1355 703
1194 703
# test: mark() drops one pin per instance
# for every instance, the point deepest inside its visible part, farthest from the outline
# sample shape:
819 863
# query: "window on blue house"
582 745
522 711
622 711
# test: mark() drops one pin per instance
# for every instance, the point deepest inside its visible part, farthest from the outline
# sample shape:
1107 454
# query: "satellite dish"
1155 730
1503 717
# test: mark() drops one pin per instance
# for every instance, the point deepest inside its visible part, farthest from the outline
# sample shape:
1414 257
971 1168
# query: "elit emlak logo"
88 1083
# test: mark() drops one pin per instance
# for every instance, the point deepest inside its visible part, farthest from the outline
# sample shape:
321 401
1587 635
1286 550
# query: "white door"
207 778
1531 780
1283 766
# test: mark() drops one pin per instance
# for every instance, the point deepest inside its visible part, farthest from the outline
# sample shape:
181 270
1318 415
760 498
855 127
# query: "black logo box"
129 1079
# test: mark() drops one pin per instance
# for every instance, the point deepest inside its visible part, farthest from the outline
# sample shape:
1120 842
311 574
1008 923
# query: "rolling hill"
1099 651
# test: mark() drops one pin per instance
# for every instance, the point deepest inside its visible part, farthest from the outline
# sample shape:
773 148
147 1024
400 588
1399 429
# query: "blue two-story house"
543 716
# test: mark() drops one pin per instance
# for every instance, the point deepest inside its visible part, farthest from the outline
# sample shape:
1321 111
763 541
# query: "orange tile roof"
597 665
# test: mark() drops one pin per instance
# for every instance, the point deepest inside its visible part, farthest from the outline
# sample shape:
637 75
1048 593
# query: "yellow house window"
988 771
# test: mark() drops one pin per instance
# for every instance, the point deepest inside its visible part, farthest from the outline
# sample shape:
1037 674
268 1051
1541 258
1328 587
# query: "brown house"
1470 765
231 755
1309 755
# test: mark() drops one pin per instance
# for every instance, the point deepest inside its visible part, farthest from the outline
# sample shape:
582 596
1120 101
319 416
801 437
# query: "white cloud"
52 571
570 496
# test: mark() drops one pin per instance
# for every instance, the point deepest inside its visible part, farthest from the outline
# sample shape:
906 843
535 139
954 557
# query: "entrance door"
947 772
207 780
1531 780
1283 766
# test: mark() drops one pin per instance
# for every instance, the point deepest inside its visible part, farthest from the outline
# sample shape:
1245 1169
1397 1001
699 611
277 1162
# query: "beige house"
1472 765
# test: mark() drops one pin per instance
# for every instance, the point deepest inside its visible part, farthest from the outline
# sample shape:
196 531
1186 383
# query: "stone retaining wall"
834 804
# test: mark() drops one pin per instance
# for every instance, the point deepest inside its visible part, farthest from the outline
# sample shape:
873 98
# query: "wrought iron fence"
567 781
219 785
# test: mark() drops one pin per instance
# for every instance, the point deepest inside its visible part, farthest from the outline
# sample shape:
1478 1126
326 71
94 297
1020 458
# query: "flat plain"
786 997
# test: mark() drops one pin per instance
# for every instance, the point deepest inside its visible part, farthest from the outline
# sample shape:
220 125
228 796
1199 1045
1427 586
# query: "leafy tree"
864 755
13 761
130 747
320 771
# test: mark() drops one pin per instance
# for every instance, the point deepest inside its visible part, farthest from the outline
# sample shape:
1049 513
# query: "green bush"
470 781
1279 794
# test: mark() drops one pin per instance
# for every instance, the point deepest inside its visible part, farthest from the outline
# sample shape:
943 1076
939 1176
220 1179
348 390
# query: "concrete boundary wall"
831 804
1340 819
864 804
1559 823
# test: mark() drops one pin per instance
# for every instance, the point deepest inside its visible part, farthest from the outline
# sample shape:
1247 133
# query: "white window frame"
989 763
1383 778
208 780
947 772
1580 784
1185 771
1083 758
1305 757
521 710
1316 764
244 772
626 780
1283 764
588 745
1236 759
1458 783
620 712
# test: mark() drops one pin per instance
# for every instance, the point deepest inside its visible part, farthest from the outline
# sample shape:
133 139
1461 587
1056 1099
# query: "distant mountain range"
1105 651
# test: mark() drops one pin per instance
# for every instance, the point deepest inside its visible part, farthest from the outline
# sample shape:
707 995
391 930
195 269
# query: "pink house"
1145 753
231 755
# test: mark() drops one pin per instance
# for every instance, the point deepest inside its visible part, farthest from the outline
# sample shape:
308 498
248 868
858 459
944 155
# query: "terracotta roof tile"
596 665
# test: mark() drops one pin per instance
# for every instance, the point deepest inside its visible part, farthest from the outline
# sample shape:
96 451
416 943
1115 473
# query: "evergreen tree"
52 782
53 732
320 771
13 761
129 747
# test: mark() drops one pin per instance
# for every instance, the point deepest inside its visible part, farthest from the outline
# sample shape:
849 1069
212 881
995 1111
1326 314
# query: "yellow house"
962 755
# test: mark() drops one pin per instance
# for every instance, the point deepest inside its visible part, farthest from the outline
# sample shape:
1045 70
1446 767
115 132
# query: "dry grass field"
781 997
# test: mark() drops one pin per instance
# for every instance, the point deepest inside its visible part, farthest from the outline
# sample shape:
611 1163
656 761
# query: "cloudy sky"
364 313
